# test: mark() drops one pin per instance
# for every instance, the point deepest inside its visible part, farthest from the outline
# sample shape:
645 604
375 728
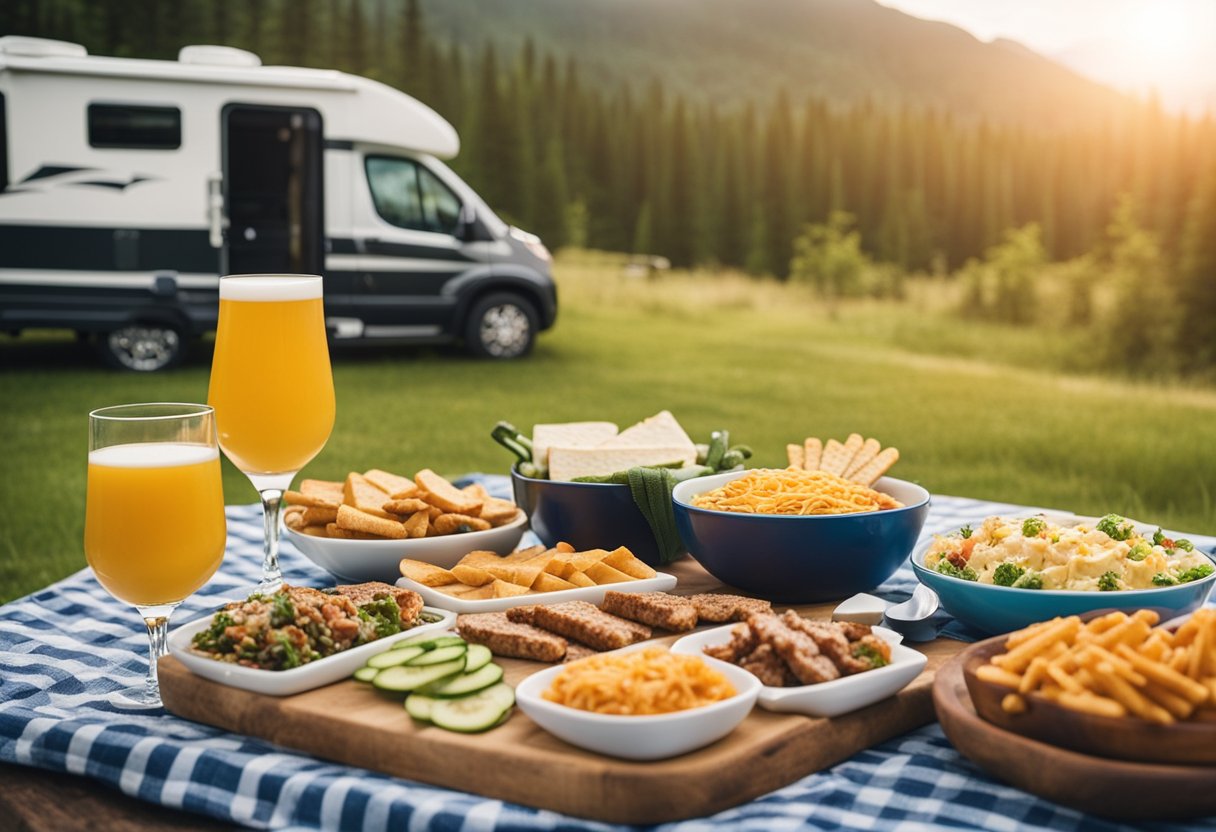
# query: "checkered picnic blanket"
62 650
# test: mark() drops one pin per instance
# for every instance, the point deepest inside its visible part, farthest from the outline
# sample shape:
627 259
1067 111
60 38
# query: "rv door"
272 190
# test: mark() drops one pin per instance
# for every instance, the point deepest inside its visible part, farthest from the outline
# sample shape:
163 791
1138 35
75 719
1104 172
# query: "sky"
1166 46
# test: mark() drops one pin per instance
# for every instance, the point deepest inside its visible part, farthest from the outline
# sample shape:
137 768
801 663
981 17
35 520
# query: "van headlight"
539 250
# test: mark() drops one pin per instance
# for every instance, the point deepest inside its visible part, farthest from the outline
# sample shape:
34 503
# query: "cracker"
408 491
297 498
458 523
834 458
550 583
427 574
446 496
529 553
624 560
506 589
352 519
386 482
472 575
319 515
361 494
314 531
851 446
418 524
293 518
602 573
795 455
876 467
869 450
523 574
498 512
409 505
336 531
325 489
477 490
579 579
812 450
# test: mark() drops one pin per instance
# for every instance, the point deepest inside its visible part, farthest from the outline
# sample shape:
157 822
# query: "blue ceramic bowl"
805 558
587 515
995 609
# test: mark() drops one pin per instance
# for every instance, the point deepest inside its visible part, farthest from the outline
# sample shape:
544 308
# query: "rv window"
394 185
134 126
3 147
441 206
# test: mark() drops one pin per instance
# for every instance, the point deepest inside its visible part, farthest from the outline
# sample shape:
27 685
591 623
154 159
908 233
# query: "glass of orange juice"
154 528
272 389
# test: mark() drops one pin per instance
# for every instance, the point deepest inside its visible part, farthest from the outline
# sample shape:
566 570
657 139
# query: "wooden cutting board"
518 762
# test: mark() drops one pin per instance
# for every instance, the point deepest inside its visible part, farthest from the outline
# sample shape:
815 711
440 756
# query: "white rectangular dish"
591 594
316 674
827 699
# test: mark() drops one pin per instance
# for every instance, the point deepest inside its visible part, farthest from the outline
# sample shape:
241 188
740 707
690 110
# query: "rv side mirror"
466 226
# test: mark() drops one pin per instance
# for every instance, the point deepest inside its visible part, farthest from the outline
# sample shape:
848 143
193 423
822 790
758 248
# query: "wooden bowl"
1107 788
1124 738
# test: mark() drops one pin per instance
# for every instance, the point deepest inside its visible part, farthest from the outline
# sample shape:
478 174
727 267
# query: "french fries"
378 505
1117 665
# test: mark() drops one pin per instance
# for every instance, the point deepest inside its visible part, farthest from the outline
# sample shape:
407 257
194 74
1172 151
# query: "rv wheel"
501 325
142 348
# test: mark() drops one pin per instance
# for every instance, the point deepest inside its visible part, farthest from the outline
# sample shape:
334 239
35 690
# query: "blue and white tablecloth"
62 650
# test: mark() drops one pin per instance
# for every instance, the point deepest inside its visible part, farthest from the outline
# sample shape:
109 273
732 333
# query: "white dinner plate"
316 674
840 696
591 594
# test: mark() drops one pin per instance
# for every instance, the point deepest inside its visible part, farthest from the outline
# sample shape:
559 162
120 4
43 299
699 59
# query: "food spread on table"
793 492
1116 665
378 505
1037 553
534 570
789 650
861 461
643 682
298 625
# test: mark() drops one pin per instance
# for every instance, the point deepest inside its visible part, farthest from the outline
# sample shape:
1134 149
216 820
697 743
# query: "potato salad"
1035 553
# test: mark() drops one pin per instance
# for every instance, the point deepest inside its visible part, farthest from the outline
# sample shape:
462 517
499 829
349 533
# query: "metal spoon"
913 617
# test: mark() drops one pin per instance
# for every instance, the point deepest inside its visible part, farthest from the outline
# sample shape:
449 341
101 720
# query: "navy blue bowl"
800 559
995 609
587 515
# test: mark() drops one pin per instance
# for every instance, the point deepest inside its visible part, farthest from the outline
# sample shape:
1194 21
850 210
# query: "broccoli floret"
213 639
1006 574
1115 527
1158 537
1033 526
1109 582
290 657
1196 573
1031 580
865 651
1185 545
384 613
964 532
1162 579
282 611
1139 552
966 573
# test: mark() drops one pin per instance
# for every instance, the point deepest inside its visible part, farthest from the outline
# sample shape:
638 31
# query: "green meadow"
975 409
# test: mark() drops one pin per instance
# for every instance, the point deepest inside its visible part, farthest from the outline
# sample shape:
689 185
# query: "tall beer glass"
272 389
154 528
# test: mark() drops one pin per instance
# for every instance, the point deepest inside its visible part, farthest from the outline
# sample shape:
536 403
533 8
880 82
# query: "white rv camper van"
128 186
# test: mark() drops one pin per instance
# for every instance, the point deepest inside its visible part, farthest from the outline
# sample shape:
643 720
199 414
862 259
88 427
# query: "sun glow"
1160 34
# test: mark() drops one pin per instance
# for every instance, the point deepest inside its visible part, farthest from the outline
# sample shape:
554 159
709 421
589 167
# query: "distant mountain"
729 51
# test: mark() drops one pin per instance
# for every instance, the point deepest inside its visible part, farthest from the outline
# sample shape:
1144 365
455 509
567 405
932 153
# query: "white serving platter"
662 582
826 699
316 674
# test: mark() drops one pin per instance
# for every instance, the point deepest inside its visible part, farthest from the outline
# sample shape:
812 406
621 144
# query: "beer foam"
152 455
270 287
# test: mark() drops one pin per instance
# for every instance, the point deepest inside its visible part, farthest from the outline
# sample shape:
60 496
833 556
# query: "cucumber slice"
468 714
389 658
466 683
366 673
500 692
419 707
429 641
478 657
403 679
438 656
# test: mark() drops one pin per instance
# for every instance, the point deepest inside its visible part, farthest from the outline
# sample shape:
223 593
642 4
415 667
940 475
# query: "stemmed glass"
154 528
272 389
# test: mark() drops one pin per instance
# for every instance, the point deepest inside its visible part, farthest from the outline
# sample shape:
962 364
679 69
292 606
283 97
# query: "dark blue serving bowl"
800 559
586 515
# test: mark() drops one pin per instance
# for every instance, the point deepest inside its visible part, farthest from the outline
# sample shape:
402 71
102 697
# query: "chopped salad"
1036 553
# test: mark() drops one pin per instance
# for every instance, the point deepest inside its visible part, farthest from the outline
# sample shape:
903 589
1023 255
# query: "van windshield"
408 195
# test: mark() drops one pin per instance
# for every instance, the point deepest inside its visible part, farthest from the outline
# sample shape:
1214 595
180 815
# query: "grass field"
768 362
